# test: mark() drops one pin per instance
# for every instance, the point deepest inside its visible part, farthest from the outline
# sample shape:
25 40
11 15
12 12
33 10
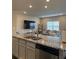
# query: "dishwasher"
45 52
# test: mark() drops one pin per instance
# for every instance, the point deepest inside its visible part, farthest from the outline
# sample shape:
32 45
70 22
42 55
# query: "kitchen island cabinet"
21 49
30 46
26 48
15 47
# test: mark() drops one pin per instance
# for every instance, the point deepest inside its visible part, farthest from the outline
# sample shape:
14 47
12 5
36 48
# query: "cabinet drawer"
21 44
15 39
30 44
22 41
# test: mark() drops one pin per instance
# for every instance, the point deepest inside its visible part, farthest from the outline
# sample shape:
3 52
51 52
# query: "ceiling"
54 7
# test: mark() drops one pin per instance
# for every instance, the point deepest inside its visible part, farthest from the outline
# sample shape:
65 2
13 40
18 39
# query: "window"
32 25
54 25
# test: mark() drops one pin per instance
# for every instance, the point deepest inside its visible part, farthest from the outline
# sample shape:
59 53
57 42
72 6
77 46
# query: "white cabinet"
37 55
30 50
22 49
15 47
21 52
30 53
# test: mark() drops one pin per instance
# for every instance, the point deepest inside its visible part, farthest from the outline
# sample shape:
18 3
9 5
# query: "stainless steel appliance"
44 52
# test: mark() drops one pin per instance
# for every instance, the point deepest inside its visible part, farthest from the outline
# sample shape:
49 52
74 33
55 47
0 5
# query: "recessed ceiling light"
47 0
25 12
45 6
30 6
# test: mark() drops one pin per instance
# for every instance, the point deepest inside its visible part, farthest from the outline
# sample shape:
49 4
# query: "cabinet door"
26 52
15 47
21 52
37 54
30 53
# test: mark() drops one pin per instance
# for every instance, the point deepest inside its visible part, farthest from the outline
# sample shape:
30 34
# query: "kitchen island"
52 45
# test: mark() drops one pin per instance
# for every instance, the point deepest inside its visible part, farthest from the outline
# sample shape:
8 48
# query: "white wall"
18 22
14 17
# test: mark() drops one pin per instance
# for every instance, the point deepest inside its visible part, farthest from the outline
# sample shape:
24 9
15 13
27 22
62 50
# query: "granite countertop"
50 41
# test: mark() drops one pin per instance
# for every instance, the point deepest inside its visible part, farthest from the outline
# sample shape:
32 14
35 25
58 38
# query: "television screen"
29 24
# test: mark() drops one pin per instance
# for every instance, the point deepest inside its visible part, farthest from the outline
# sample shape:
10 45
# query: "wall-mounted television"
29 24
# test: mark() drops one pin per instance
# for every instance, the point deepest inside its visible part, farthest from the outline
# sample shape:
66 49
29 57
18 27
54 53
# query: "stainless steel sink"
33 37
36 38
